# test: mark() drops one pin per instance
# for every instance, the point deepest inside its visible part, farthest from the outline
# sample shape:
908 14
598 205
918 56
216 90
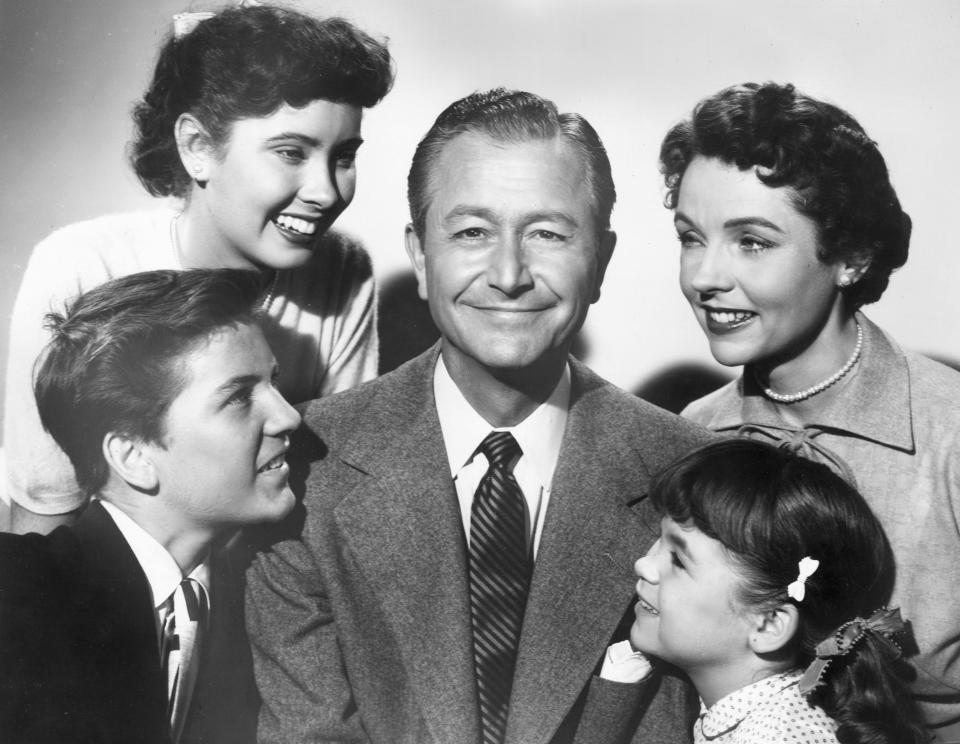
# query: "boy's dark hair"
247 62
113 363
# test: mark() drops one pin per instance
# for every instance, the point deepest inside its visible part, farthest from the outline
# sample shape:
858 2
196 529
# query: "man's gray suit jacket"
361 627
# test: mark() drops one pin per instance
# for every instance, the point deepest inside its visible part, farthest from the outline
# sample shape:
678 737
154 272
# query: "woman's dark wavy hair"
770 508
247 62
838 175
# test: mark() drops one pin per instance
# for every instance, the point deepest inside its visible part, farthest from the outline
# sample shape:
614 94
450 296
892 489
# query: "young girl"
766 588
252 122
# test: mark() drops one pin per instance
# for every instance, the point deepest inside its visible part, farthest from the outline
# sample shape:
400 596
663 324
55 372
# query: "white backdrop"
70 71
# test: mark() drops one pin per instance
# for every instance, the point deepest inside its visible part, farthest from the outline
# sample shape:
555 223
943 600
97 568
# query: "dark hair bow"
884 624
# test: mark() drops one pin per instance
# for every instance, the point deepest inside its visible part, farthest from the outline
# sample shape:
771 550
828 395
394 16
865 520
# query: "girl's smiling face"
274 187
688 613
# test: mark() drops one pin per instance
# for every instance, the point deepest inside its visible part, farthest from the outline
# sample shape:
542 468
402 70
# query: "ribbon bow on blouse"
883 624
801 442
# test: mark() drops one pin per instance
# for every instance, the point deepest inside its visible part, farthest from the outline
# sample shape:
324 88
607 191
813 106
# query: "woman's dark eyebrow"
736 222
747 221
681 217
312 141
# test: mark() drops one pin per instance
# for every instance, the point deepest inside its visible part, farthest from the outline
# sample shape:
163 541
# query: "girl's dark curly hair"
769 509
838 176
247 62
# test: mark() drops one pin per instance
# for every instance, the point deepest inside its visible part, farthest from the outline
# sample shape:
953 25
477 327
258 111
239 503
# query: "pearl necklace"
175 244
820 386
268 300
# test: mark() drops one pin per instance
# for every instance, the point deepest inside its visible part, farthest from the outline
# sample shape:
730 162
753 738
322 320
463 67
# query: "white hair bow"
184 23
798 589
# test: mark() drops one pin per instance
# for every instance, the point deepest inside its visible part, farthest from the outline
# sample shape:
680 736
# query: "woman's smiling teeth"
296 224
728 317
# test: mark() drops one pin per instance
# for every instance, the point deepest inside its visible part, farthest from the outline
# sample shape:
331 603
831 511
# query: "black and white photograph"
526 372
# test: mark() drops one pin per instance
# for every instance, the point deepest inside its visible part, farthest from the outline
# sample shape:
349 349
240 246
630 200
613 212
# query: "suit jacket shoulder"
368 424
394 396
651 433
78 648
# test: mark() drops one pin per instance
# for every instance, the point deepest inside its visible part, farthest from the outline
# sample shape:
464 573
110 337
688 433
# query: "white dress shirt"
162 572
539 436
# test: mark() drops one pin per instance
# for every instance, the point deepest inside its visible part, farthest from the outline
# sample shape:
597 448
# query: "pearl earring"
844 280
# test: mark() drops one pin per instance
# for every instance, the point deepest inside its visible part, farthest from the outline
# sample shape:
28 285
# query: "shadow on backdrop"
678 385
952 363
403 322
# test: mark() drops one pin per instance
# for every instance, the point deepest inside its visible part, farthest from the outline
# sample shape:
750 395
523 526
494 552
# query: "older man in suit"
126 628
471 518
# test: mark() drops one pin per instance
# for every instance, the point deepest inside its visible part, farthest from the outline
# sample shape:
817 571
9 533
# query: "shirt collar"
730 711
162 572
539 435
875 404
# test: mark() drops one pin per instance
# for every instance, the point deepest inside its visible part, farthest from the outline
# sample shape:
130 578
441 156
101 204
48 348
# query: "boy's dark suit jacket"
361 631
79 660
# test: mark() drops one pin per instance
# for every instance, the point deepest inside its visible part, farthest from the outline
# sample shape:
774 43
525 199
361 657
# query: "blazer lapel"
123 629
583 578
403 525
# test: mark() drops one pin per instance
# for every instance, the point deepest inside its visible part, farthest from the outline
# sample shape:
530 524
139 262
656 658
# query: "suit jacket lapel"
121 622
403 525
583 578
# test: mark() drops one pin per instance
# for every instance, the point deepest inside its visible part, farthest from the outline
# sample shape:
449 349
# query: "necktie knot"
500 448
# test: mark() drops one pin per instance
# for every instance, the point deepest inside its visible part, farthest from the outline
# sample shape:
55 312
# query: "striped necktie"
181 638
500 569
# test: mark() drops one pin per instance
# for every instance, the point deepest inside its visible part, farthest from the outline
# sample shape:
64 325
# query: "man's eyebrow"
551 217
467 210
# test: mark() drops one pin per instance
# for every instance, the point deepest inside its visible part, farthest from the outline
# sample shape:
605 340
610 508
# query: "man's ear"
605 246
774 629
417 259
130 460
196 149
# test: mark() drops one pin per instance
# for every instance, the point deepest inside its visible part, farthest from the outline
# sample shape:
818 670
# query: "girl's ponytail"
860 680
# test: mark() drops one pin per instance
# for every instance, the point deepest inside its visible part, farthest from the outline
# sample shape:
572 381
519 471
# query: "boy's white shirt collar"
162 572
